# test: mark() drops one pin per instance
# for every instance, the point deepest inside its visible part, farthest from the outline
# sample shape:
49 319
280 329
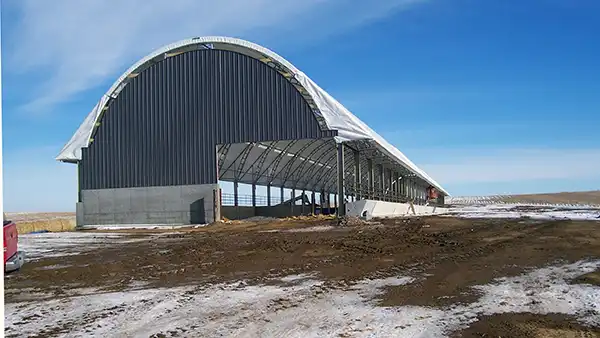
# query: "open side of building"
211 109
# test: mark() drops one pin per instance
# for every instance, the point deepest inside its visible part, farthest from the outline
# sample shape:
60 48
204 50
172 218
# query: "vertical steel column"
388 181
390 191
335 203
381 183
371 179
269 195
395 185
235 199
322 200
253 195
400 183
320 203
281 194
341 210
398 187
302 205
384 176
235 193
292 202
312 203
417 192
392 185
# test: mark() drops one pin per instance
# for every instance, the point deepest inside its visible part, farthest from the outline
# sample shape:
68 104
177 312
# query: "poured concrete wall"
389 209
239 212
172 205
282 211
278 211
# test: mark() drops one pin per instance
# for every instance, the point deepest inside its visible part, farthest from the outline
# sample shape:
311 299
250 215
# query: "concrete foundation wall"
243 212
282 211
172 205
240 212
389 209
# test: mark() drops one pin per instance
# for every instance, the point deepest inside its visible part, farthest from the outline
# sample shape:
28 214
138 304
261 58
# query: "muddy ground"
446 255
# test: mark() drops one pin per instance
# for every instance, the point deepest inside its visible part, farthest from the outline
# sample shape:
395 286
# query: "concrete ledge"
370 209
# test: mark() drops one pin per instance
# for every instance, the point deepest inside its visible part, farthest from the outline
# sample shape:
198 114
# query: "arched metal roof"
331 114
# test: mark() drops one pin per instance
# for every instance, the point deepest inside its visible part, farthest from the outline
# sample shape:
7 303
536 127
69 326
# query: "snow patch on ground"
312 229
307 308
521 210
544 291
58 244
144 227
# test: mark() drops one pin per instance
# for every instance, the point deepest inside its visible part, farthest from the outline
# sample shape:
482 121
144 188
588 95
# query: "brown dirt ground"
592 278
452 253
527 325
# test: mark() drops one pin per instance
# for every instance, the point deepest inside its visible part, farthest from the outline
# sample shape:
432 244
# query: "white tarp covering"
336 116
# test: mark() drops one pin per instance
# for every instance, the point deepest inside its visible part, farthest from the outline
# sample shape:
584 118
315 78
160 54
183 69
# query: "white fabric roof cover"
335 115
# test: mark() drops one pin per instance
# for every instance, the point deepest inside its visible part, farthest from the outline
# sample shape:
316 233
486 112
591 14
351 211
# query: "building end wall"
168 205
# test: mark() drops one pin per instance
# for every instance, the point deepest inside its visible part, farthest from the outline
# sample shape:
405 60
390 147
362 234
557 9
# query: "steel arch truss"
311 164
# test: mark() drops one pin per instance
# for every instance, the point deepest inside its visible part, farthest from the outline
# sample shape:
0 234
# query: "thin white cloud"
462 166
85 43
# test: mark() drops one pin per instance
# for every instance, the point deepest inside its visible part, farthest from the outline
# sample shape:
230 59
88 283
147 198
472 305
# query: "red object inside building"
432 193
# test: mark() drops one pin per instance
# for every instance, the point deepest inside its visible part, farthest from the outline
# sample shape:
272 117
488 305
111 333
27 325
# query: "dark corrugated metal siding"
164 126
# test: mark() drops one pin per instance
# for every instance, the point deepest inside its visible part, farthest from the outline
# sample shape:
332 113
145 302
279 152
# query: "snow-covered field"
543 200
549 212
300 306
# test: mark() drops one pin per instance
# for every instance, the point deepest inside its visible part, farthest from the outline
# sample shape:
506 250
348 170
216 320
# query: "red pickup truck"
13 258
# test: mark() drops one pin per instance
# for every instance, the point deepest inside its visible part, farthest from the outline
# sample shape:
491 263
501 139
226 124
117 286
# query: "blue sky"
495 96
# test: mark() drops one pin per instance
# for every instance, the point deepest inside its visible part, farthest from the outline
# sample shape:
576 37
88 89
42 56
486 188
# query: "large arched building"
198 111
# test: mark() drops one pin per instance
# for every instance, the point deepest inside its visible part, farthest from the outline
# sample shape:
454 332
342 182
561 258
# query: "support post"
398 187
292 202
253 195
268 195
281 194
312 203
302 205
335 202
384 185
394 186
235 194
403 187
371 179
381 182
390 187
235 199
341 210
